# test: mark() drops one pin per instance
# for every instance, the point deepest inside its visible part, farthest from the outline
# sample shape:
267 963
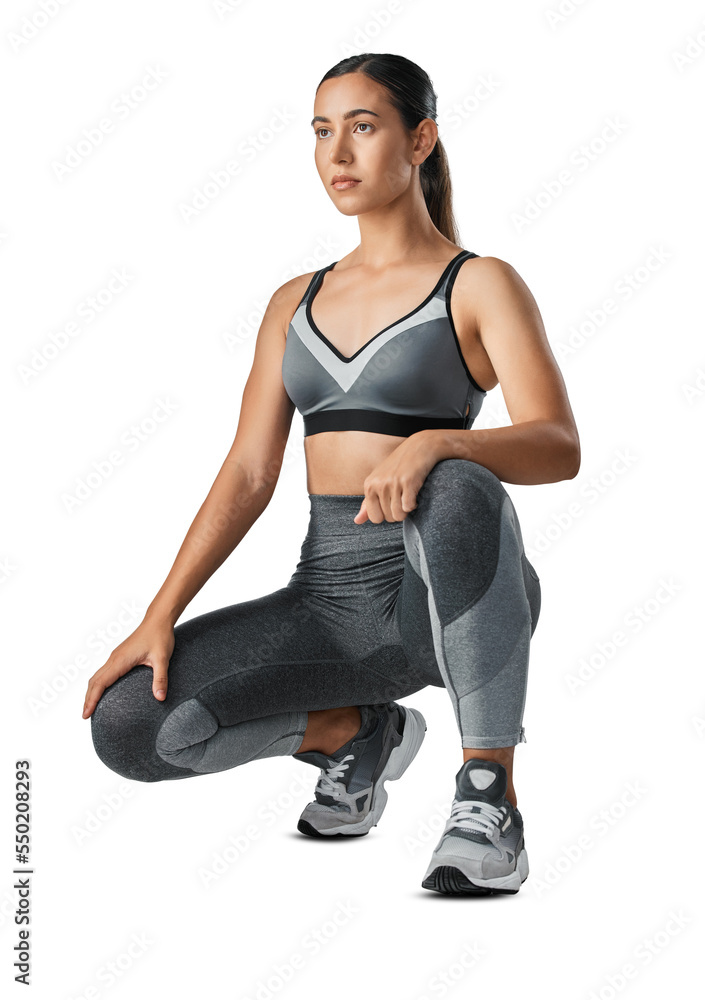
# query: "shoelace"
486 821
328 781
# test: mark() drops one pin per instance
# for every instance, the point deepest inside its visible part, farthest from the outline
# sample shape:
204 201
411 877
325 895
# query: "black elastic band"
375 421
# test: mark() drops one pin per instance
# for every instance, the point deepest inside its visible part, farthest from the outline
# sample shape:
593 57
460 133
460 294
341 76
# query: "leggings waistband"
333 513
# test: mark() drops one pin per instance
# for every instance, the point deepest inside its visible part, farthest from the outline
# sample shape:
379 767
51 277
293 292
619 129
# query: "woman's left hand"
392 486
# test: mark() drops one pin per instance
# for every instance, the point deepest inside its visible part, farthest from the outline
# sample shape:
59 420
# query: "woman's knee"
463 493
461 474
459 516
124 725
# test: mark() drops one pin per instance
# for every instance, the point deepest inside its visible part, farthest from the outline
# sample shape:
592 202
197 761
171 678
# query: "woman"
413 570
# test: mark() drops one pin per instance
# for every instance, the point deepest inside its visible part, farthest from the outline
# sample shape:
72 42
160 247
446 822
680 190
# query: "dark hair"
411 93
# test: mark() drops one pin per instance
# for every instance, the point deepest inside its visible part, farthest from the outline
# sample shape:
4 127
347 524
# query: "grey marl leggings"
372 613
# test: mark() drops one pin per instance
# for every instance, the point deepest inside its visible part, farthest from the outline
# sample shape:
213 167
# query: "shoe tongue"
482 779
319 759
316 758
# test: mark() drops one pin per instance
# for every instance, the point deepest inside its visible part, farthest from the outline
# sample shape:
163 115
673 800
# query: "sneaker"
350 795
482 847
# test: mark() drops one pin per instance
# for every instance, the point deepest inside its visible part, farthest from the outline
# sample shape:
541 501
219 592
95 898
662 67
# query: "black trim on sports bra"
449 289
316 289
308 289
376 421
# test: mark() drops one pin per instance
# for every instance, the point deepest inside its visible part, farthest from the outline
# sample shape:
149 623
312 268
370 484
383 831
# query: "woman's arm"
542 443
247 479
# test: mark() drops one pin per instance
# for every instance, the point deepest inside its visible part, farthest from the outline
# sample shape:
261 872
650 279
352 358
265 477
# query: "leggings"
372 613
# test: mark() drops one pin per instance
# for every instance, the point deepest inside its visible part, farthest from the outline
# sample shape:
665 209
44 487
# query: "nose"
337 152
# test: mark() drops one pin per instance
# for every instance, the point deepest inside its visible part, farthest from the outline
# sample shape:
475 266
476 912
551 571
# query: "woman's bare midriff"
340 461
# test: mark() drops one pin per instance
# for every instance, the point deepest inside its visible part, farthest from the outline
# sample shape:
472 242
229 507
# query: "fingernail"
160 692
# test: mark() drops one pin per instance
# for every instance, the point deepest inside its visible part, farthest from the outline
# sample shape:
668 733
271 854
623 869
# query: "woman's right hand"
152 644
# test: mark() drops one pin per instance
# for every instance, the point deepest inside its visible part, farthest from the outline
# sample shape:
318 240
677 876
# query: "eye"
365 125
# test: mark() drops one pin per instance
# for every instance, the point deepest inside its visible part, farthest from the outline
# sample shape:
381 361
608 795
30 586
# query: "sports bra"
408 377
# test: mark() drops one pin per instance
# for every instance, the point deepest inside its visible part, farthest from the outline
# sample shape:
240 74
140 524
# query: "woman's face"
372 145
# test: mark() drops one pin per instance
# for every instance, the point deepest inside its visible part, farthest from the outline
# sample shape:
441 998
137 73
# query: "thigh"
276 653
453 549
287 651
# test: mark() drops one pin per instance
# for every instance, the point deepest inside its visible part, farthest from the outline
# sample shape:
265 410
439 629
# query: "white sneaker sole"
450 874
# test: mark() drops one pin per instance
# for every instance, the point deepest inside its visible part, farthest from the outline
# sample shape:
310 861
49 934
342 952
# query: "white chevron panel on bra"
346 373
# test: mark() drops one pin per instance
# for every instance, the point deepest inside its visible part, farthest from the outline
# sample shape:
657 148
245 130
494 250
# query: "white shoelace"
485 821
328 781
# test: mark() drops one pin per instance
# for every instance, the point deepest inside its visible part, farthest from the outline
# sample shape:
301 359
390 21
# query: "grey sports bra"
408 377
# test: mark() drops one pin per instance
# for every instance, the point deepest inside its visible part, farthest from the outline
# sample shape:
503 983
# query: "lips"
344 178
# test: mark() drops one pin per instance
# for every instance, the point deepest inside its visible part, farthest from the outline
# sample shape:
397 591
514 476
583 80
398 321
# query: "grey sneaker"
350 795
482 848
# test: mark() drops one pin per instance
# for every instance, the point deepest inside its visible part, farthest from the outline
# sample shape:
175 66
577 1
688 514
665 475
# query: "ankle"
500 755
328 729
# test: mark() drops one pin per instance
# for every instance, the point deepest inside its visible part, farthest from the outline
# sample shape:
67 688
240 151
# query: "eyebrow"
348 114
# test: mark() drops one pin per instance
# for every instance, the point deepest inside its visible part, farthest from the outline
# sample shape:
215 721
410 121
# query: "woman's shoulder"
489 276
285 299
487 266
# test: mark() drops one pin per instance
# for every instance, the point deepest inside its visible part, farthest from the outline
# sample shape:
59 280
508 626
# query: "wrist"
159 615
437 444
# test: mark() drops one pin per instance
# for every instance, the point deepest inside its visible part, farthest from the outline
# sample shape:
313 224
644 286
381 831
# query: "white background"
116 861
